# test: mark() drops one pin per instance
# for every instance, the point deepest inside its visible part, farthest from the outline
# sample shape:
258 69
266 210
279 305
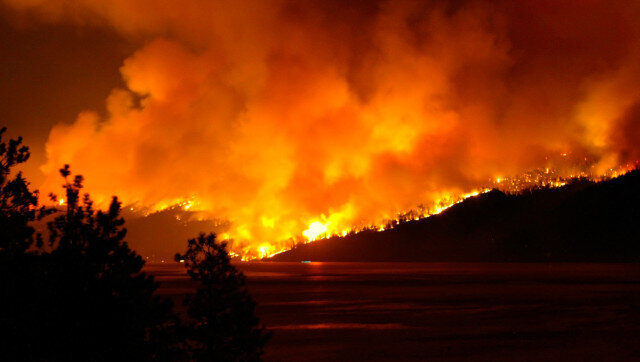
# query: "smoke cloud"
276 114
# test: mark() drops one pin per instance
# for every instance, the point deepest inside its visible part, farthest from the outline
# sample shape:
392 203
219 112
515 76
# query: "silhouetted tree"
99 304
86 298
222 324
19 266
18 204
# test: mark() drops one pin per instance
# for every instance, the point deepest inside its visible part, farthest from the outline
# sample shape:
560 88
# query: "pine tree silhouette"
222 324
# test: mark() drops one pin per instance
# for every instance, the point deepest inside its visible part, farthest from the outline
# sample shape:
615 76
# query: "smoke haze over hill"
276 114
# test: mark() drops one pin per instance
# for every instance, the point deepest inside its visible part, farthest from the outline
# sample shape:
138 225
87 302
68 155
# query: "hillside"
581 221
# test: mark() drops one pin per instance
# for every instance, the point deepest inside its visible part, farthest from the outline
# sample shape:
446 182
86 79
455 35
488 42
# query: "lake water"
437 311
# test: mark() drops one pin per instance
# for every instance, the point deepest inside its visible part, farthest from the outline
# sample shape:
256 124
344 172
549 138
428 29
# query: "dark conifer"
222 324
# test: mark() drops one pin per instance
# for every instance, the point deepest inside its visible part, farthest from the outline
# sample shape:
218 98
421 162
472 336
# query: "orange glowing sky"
285 117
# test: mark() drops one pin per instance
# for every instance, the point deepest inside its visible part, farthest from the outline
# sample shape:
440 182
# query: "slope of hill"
581 221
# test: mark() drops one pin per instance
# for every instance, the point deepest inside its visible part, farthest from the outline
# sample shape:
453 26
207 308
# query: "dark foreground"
459 311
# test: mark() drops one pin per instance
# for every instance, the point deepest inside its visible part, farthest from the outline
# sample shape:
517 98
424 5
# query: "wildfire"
187 205
315 230
293 124
337 224
540 178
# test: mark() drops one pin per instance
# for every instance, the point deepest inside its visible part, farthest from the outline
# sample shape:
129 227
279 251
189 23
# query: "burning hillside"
582 221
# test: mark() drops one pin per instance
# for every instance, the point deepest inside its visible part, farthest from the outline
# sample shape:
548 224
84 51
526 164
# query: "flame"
315 230
264 250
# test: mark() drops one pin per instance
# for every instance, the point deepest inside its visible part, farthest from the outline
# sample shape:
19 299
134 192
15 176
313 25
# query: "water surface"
435 311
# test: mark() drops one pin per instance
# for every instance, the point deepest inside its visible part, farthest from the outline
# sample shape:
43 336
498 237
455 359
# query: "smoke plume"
277 114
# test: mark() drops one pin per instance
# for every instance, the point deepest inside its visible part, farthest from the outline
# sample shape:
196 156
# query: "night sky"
51 72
